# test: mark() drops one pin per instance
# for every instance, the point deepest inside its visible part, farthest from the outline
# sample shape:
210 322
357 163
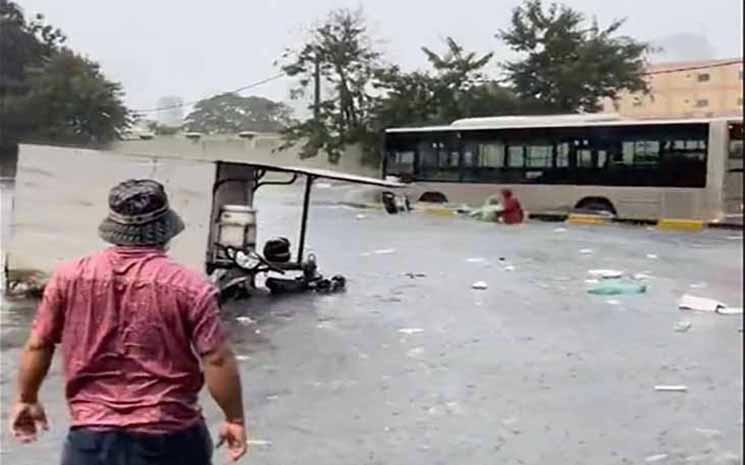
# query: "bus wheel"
596 205
433 197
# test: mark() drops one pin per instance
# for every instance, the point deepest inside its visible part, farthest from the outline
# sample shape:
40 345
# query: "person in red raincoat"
512 212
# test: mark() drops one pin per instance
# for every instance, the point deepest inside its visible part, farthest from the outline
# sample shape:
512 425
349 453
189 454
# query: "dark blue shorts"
192 446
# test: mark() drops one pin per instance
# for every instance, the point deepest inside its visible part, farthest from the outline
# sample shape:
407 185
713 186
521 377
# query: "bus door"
733 175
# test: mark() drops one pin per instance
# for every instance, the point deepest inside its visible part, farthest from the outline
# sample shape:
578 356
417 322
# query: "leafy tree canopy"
48 91
568 65
342 50
231 113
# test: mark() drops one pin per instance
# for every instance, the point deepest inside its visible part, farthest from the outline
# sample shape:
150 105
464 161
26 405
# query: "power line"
694 67
234 91
279 75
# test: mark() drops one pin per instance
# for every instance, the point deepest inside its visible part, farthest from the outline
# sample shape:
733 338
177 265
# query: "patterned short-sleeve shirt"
132 325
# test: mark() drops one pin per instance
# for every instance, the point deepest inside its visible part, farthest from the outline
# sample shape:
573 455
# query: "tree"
70 101
457 73
569 66
456 87
23 47
49 92
232 113
340 52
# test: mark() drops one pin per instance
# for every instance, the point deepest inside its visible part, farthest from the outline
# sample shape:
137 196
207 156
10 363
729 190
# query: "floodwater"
413 366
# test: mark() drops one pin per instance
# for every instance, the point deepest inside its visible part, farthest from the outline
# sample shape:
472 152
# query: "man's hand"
234 434
27 420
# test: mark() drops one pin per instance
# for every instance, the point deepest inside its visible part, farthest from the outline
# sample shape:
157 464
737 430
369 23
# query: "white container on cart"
236 226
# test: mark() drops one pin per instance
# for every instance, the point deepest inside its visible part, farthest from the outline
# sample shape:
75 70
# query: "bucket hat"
139 215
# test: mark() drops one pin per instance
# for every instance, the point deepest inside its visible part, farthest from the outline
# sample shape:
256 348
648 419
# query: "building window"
741 75
703 77
700 103
739 101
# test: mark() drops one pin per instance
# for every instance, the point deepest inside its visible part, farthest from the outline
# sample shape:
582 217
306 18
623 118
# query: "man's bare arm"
224 382
35 362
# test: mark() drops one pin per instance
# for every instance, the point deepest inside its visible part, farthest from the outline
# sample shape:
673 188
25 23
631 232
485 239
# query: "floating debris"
671 388
617 287
245 320
606 274
259 442
384 251
682 326
415 275
702 304
709 433
730 311
410 331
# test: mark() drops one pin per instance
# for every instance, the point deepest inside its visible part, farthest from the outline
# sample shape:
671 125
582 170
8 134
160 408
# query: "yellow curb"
575 218
668 224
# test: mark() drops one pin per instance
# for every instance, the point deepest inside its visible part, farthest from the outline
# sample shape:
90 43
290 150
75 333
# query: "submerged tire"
433 197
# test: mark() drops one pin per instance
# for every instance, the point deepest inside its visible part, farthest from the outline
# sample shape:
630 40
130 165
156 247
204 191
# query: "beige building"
686 89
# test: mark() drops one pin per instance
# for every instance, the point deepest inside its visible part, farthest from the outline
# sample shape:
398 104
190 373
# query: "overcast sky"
196 48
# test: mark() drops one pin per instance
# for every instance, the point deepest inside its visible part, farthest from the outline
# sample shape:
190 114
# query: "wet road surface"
422 369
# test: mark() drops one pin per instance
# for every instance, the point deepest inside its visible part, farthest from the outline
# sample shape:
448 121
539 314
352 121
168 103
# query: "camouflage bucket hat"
139 215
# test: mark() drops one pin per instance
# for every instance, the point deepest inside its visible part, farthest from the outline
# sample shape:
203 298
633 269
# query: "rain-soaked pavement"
421 369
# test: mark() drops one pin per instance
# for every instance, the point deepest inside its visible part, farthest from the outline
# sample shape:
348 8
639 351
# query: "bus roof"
551 121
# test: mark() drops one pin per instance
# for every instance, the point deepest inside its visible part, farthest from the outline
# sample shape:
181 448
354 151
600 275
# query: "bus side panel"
640 203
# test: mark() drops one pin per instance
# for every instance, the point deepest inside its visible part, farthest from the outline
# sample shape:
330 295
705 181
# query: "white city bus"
632 169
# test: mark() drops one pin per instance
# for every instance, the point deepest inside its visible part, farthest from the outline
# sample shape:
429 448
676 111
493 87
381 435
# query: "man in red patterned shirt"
140 335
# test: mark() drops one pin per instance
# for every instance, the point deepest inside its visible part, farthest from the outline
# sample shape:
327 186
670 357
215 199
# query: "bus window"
602 158
539 156
400 163
626 157
678 149
735 141
735 150
646 152
516 156
482 161
438 161
584 158
562 155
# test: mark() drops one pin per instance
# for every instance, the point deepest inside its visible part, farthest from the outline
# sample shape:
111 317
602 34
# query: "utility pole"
317 87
